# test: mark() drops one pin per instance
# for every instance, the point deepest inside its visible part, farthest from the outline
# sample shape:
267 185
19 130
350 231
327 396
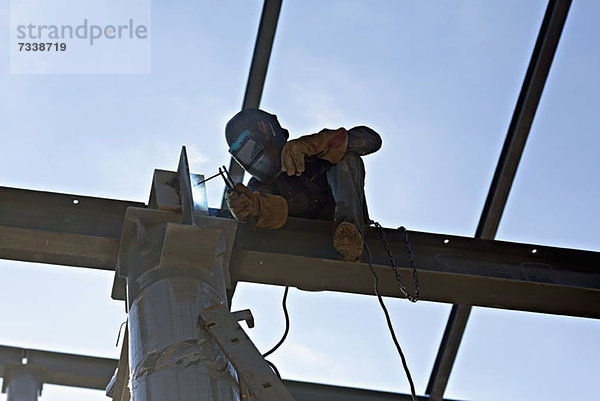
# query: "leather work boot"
348 242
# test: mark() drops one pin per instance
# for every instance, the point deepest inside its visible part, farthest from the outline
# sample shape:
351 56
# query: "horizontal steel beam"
59 368
302 391
451 268
95 373
60 229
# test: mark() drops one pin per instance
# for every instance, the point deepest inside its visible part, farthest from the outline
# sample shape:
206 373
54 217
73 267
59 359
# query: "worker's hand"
327 145
293 156
242 203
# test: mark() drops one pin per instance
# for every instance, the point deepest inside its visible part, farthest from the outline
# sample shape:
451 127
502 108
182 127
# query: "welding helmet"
255 140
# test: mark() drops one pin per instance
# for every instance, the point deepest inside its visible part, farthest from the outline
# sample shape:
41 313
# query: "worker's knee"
363 140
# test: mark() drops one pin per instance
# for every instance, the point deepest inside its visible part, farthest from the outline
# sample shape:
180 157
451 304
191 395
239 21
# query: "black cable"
119 335
287 324
272 365
389 324
285 333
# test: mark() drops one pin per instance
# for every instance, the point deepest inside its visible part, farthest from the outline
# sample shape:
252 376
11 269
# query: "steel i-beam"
48 228
258 70
527 103
94 373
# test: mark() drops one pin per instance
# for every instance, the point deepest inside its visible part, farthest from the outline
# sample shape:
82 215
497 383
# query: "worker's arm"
270 211
330 145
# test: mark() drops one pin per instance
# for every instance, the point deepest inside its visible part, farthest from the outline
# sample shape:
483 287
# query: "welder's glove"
328 145
241 203
270 211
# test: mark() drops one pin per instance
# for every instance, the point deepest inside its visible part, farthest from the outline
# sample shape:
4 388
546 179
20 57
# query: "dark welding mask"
255 140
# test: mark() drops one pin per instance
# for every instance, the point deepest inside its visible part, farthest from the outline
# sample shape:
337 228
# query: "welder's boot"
348 242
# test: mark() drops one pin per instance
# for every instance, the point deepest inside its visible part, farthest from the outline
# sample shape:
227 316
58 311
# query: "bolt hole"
534 250
235 340
75 201
446 241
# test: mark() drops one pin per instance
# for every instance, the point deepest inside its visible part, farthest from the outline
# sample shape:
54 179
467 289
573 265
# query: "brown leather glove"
242 203
328 145
269 210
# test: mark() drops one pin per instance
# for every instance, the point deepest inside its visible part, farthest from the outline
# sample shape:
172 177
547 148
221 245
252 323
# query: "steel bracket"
192 192
250 365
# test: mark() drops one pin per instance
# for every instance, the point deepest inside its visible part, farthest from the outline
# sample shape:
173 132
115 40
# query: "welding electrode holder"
229 183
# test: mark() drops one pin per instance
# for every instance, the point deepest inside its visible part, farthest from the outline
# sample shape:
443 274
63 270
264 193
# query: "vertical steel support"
22 383
173 271
258 70
518 131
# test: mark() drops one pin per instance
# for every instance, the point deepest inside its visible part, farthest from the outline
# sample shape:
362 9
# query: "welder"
318 176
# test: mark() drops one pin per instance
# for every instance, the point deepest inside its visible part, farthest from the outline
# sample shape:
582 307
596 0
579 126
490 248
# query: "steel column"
173 271
258 70
22 382
518 131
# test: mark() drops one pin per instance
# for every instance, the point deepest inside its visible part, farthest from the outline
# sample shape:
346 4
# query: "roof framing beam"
49 228
61 229
59 368
522 119
516 137
258 69
302 391
95 373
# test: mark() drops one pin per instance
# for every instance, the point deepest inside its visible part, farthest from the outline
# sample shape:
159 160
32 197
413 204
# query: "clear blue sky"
437 79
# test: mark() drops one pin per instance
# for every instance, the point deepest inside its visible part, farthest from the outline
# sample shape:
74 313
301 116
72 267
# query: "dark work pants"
347 181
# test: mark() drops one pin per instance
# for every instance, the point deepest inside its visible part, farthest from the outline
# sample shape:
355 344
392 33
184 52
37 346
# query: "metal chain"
411 260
